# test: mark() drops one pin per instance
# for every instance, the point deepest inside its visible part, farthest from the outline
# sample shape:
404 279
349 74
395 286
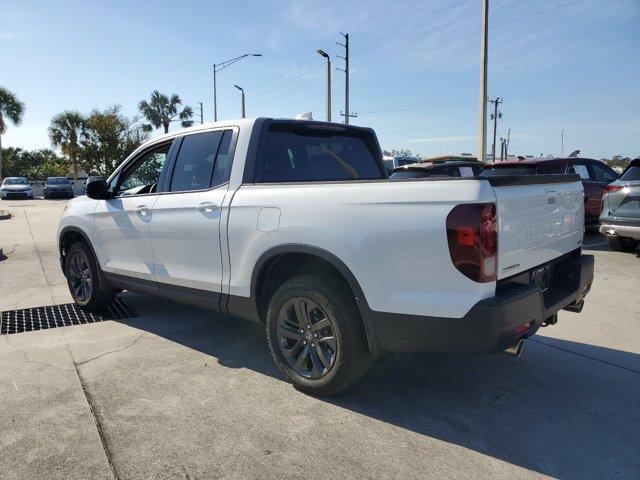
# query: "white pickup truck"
295 224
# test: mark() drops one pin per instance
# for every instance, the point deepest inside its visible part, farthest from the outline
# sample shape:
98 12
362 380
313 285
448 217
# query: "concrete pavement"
179 392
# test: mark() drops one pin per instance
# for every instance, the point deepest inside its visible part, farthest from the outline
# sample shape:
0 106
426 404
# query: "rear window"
632 172
298 152
549 168
508 171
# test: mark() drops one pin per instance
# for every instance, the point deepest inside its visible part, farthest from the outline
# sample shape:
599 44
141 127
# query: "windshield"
507 171
406 161
15 181
57 181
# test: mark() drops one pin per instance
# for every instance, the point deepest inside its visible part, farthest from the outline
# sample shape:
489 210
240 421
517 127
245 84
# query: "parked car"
15 188
58 187
392 163
438 169
290 222
595 176
620 218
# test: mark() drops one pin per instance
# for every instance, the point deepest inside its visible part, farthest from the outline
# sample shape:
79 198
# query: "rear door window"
194 166
581 169
298 152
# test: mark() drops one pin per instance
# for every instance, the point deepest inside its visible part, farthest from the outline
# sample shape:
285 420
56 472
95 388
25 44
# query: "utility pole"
346 114
495 116
241 99
328 100
201 113
482 113
502 145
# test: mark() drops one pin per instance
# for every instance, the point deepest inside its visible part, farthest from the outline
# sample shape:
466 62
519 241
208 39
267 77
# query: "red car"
595 177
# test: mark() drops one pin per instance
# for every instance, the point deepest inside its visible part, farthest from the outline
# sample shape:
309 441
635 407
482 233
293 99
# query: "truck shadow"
555 412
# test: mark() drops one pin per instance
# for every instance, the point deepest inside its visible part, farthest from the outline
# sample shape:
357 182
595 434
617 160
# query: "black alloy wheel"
306 338
80 277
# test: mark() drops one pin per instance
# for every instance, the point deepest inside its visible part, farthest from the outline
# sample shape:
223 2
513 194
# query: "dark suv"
58 187
595 177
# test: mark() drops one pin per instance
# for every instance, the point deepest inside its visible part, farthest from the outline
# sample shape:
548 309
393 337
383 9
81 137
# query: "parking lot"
177 391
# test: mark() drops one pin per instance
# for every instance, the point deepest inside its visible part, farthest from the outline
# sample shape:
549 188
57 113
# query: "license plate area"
540 277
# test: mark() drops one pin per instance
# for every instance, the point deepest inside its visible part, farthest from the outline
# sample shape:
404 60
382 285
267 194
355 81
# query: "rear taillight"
473 240
612 188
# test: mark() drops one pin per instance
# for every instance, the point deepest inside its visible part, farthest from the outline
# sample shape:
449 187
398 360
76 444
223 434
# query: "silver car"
620 218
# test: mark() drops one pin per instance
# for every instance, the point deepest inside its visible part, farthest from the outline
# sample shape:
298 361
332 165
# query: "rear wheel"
622 244
82 274
316 335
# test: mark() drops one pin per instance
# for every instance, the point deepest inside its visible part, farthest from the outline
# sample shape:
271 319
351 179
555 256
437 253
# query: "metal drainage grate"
40 318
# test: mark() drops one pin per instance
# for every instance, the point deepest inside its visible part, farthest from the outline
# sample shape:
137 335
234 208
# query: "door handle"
142 210
207 207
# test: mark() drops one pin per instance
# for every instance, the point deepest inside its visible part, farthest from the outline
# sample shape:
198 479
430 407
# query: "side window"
142 177
602 173
224 160
579 168
549 168
195 162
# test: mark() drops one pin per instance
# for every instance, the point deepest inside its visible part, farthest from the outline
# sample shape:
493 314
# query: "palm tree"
161 110
65 132
13 109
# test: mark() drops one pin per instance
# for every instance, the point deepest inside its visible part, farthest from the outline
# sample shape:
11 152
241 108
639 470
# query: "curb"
5 215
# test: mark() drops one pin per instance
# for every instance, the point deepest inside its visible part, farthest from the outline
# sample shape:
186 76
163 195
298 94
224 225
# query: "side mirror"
98 190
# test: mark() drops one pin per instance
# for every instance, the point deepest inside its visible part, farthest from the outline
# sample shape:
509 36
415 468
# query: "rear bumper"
490 326
621 230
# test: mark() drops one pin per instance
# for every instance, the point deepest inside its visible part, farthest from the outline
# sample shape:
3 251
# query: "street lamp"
328 102
221 66
242 98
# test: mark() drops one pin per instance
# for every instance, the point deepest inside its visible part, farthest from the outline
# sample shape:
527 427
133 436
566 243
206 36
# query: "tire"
622 244
332 351
80 266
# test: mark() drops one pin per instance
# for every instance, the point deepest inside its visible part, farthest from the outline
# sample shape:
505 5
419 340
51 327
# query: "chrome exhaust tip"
515 350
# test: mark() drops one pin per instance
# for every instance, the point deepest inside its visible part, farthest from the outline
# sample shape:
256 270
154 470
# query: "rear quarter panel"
391 235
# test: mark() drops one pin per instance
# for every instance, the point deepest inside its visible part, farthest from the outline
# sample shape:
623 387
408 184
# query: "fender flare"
82 233
334 261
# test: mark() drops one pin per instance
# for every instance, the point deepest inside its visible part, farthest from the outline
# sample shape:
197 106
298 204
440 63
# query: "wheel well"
68 238
282 267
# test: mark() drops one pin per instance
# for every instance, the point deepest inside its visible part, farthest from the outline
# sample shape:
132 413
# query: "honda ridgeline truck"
294 223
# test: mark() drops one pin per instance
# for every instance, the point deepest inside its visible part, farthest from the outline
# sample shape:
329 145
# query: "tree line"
95 142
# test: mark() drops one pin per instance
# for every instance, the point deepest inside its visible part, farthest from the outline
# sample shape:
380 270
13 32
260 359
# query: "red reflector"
612 188
466 236
522 328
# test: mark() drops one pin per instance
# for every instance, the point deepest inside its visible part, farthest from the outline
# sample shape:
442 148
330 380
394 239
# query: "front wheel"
316 336
81 269
622 244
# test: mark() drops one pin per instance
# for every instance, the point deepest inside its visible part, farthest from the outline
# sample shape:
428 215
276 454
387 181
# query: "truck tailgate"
540 217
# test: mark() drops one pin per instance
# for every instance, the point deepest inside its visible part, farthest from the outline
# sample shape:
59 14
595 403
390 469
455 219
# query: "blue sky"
572 64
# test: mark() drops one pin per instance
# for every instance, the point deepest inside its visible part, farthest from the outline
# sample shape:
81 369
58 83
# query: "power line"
285 93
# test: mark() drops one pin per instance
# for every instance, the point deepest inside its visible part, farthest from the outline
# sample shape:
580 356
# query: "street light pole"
482 113
242 99
328 100
221 66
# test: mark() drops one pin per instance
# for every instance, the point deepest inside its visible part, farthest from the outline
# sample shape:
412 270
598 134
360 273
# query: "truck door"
185 230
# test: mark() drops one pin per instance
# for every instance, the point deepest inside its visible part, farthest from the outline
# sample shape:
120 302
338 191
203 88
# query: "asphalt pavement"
180 392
